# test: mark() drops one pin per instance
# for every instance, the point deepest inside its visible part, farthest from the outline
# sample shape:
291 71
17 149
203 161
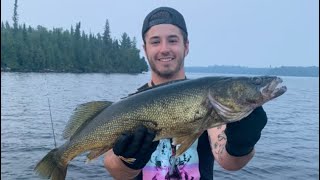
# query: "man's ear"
144 48
186 45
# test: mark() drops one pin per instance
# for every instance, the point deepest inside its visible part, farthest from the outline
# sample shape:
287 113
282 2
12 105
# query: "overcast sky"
251 33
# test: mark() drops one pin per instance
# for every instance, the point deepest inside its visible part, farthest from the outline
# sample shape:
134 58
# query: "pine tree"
106 34
15 15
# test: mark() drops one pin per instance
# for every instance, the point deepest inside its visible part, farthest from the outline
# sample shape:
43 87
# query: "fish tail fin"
49 166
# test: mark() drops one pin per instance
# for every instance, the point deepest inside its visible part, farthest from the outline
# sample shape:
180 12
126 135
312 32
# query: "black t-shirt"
199 162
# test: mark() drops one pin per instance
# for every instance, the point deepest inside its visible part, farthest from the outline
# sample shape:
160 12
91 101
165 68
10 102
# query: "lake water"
288 148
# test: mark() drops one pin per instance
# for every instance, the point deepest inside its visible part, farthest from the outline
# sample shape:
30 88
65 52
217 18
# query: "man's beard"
167 74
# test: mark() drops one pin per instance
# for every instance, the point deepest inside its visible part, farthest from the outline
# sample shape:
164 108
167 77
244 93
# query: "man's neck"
156 80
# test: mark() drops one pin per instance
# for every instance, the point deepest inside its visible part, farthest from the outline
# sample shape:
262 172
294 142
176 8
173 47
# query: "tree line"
312 71
28 49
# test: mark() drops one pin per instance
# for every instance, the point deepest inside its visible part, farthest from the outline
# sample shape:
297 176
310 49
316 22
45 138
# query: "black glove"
138 145
244 134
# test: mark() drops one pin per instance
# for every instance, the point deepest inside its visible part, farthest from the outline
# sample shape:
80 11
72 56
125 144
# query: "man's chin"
165 74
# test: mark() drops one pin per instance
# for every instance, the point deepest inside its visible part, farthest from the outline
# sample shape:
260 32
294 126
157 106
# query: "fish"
180 110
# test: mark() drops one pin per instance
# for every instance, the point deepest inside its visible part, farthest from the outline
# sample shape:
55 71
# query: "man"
166 44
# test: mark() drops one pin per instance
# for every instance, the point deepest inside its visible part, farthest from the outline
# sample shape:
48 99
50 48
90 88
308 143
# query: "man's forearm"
218 146
117 168
230 162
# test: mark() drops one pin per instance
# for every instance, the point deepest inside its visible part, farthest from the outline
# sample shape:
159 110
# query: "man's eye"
154 42
173 40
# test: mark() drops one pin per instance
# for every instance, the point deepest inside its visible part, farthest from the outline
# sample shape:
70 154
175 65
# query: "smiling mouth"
167 59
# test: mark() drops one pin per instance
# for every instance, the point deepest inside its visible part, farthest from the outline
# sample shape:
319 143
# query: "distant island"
28 49
312 71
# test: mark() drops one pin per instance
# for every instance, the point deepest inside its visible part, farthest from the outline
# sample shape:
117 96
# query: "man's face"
165 49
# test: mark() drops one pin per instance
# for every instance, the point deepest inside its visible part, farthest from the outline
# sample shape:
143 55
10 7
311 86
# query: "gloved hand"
136 145
244 134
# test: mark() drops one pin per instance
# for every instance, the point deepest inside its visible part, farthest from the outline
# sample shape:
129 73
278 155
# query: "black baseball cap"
164 15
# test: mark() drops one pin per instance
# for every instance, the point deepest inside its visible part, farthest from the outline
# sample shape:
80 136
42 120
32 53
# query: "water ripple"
288 148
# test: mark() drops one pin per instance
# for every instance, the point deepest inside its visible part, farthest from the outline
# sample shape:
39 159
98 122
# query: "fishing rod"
54 137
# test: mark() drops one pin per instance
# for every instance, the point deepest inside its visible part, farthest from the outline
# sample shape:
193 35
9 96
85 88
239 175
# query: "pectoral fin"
96 153
128 160
185 142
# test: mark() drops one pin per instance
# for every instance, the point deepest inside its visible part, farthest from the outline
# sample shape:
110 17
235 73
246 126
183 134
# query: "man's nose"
164 47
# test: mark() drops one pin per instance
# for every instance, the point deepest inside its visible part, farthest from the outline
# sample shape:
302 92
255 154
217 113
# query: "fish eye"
256 80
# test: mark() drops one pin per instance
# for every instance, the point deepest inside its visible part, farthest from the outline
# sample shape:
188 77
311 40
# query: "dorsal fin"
82 114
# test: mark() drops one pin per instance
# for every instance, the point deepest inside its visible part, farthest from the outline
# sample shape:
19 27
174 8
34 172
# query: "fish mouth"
273 89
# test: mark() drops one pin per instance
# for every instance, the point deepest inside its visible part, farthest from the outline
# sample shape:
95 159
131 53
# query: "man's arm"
218 141
233 144
117 169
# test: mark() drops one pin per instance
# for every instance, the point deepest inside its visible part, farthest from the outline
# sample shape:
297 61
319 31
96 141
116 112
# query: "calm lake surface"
288 148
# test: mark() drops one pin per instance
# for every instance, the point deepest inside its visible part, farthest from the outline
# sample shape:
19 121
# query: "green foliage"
28 49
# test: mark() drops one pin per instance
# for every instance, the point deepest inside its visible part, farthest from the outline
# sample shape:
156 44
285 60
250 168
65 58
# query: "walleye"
181 110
